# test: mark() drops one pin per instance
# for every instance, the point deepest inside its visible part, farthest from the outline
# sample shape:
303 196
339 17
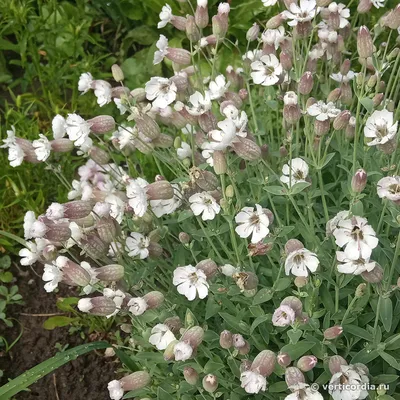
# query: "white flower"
381 127
125 136
223 137
306 11
77 129
253 382
302 391
343 12
122 105
168 206
230 111
162 46
117 297
252 222
252 55
378 3
182 351
203 203
42 148
184 151
33 251
59 126
358 238
323 111
354 267
137 305
269 3
339 77
241 124
53 276
298 262
102 90
389 188
137 245
85 82
218 87
332 224
161 91
165 16
15 153
199 104
349 384
32 227
55 211
161 336
115 390
117 207
136 192
228 270
267 70
190 282
273 37
294 172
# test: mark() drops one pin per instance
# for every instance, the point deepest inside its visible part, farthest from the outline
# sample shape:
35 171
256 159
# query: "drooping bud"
101 306
220 166
365 46
293 376
359 181
209 267
341 120
102 124
307 363
252 33
333 332
225 339
335 363
283 359
264 363
191 375
210 383
110 273
192 31
374 276
306 83
201 15
117 73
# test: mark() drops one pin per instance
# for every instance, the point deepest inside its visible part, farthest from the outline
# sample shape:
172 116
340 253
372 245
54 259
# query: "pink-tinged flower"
389 188
136 193
274 37
267 70
253 382
254 222
85 82
205 205
162 46
294 172
191 282
353 267
380 127
323 111
304 12
283 316
357 237
137 245
161 91
301 261
355 382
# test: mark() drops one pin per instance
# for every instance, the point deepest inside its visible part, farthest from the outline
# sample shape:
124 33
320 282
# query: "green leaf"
367 103
294 336
299 187
385 378
6 277
357 331
57 322
277 387
31 376
284 230
212 367
297 350
162 394
65 304
390 360
185 215
276 190
212 307
258 321
5 262
235 323
386 313
326 161
125 359
282 284
393 342
262 296
365 356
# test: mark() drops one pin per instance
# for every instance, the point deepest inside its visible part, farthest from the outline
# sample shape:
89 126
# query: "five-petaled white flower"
162 46
273 37
191 282
253 382
32 227
344 13
53 276
389 188
32 252
115 390
59 126
269 3
168 206
224 136
137 305
378 3
295 171
357 237
77 129
102 90
253 222
136 193
161 91
161 336
339 77
283 316
137 245
165 16
354 267
199 104
204 204
355 382
42 148
380 127
184 151
267 70
304 12
218 87
85 82
183 351
299 262
323 111
15 152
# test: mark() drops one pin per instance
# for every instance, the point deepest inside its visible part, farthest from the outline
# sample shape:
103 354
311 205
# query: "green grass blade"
28 378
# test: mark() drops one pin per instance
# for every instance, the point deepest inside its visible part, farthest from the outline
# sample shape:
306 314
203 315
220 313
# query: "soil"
83 378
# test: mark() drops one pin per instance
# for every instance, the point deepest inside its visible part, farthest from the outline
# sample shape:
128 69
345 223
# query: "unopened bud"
201 14
210 383
192 31
179 56
377 99
359 181
184 238
229 192
219 26
62 145
321 127
117 73
247 149
364 6
93 246
365 46
283 151
226 339
360 291
307 363
306 83
135 381
161 190
341 120
102 124
98 155
193 336
286 61
374 276
300 281
220 166
393 19
252 33
110 273
209 267
333 332
275 22
283 359
345 67
191 376
264 363
334 95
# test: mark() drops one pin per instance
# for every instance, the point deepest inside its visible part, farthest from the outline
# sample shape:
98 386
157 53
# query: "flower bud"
164 141
360 290
364 6
252 33
283 359
246 280
238 341
377 99
192 31
321 127
291 114
306 83
201 15
219 26
244 349
193 336
359 181
210 383
300 281
179 56
135 381
178 22
207 122
191 376
283 151
365 46
293 376
102 124
57 232
62 145
334 95
293 245
307 363
147 126
345 67
220 166
93 246
341 120
333 332
101 306
286 61
153 299
245 365
208 267
372 81
247 149
264 363
275 22
110 273
393 19
161 190
294 303
226 339
117 73
98 155
107 229
374 276
335 363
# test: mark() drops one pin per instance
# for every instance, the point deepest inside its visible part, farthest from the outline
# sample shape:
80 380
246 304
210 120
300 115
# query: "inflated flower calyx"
335 364
209 267
225 339
264 363
293 245
333 332
110 273
160 190
293 376
93 246
100 306
220 165
365 46
294 303
210 383
307 363
174 324
201 14
101 124
342 120
98 155
191 375
283 359
247 149
194 336
62 145
108 229
246 280
359 181
153 299
205 180
374 276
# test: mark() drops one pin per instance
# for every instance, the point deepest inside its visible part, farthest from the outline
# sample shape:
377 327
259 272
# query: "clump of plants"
262 258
